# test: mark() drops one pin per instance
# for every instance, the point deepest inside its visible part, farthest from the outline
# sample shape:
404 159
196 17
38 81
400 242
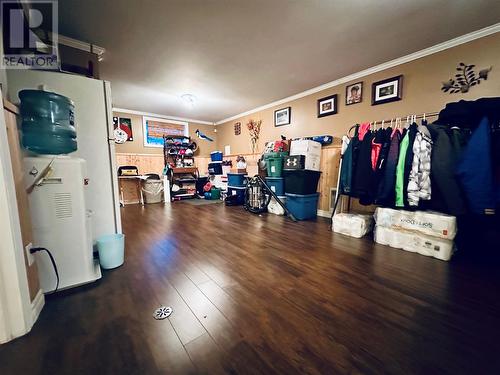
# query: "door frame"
16 316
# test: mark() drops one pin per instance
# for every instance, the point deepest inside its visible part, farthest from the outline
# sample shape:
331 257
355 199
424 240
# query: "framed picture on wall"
283 116
155 128
354 93
387 90
327 106
125 126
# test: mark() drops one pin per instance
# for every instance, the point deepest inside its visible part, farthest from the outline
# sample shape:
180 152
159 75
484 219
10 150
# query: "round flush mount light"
189 100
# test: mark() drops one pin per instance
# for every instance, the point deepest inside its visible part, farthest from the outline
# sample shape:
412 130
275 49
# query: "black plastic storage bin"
215 168
301 181
294 162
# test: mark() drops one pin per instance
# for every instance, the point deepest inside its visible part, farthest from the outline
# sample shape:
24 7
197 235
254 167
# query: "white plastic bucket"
111 250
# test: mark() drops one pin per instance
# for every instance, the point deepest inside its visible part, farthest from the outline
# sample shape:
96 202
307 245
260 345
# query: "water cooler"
61 222
56 186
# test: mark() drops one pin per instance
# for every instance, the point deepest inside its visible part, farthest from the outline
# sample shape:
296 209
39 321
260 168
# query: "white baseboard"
324 213
37 306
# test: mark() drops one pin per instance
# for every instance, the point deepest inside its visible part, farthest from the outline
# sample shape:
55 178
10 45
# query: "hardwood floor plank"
259 294
196 275
216 324
207 356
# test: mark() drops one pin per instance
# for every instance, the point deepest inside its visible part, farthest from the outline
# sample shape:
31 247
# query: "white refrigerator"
94 127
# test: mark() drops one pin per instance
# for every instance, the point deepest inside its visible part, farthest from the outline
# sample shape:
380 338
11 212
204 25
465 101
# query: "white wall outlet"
29 256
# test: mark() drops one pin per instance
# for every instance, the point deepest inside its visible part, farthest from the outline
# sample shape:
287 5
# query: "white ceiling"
235 55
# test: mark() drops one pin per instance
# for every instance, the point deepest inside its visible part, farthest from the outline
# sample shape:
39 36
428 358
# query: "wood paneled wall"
329 167
153 163
146 163
330 157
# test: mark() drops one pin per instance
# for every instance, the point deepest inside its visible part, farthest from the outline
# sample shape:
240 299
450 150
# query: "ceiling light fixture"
189 100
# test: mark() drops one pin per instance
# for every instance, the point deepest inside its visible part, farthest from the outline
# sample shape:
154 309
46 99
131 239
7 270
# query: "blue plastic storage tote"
236 179
303 207
276 184
216 156
111 250
239 191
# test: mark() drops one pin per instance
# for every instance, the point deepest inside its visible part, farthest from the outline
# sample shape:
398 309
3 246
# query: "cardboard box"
310 149
312 163
305 147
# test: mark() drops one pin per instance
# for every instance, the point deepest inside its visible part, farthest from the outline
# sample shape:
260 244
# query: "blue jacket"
475 171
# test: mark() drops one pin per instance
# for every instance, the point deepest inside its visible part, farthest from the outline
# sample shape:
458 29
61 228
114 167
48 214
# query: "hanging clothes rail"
384 123
411 117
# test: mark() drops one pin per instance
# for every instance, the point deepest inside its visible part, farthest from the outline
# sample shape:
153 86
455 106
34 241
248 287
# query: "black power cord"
37 249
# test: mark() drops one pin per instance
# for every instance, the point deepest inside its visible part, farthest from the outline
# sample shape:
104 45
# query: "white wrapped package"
354 225
425 222
415 242
275 208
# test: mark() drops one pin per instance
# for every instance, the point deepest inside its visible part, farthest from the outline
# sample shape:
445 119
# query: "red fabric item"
280 146
363 129
375 153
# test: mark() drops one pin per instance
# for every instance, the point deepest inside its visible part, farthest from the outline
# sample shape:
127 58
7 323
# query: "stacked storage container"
277 185
301 176
275 180
215 167
236 185
274 163
218 180
423 232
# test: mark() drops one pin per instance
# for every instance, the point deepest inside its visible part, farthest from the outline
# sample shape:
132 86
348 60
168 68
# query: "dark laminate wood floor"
263 295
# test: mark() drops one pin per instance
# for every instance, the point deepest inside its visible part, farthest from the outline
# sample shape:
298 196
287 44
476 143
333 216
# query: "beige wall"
137 145
421 93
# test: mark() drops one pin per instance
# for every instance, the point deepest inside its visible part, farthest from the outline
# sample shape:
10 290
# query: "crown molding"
140 113
78 44
493 29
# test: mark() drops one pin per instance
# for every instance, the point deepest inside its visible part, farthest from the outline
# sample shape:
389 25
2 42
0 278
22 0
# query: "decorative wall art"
155 128
254 130
387 90
465 78
283 116
327 106
125 124
237 128
354 93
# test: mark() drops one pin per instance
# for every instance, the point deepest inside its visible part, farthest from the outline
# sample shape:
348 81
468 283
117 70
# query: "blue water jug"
48 122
